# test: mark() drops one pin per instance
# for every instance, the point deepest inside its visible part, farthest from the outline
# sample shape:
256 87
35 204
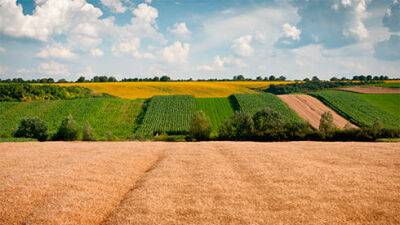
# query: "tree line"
166 78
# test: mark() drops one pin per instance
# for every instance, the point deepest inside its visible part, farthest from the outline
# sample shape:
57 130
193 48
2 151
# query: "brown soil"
311 109
372 90
199 183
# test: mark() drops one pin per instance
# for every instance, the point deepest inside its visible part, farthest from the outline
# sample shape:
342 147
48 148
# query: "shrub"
200 128
68 130
240 126
326 123
87 133
32 128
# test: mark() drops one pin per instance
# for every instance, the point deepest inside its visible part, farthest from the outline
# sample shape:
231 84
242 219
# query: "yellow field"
133 90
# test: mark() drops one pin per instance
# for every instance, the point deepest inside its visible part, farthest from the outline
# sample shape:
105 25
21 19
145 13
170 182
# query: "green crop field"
251 103
218 110
364 109
109 117
388 85
168 114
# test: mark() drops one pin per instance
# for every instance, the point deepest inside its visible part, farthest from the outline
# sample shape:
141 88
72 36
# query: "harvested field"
199 183
311 109
372 90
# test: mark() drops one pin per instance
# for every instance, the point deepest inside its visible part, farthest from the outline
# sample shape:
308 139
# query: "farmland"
253 103
199 89
218 110
199 183
168 114
109 117
364 109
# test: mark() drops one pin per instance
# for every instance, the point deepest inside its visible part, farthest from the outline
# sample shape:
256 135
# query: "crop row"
364 109
168 114
251 103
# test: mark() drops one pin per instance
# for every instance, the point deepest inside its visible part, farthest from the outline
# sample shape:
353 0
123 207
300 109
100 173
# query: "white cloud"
291 32
114 5
53 68
49 18
176 53
180 29
146 13
56 51
96 52
392 17
131 47
242 46
2 50
220 63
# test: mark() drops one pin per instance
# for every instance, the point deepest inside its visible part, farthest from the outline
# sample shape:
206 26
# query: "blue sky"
199 39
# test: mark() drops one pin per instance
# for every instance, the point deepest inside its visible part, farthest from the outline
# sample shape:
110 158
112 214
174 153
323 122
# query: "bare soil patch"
372 90
311 109
199 183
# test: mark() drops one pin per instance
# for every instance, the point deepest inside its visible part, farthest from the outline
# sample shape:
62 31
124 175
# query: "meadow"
198 89
364 109
111 118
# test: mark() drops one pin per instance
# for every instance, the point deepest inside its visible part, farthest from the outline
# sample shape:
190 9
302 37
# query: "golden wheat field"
133 90
199 183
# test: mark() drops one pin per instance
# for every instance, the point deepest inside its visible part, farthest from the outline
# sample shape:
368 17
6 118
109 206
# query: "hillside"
109 117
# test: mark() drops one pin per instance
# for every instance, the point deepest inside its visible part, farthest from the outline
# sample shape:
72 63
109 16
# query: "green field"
109 117
218 110
168 114
251 103
364 109
388 85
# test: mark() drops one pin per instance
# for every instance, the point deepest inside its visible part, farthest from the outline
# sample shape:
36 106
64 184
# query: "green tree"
32 128
326 123
68 131
267 120
239 126
200 126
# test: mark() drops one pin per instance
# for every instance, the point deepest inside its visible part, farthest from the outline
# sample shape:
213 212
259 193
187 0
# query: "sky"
199 39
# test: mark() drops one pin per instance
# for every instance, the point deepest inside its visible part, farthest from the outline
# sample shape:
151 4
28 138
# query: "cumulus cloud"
50 17
332 23
96 52
180 29
53 68
131 47
56 51
392 17
220 63
114 5
242 46
146 13
388 49
176 53
291 32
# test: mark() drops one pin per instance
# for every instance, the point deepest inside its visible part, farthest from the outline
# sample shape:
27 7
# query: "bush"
68 130
240 126
87 133
200 128
32 128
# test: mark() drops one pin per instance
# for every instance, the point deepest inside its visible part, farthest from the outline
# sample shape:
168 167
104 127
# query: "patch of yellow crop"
133 90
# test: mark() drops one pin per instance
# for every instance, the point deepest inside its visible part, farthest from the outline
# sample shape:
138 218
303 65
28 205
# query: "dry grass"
133 90
200 183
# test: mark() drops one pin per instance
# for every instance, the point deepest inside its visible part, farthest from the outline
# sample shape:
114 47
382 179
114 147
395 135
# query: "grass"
168 114
392 84
109 117
364 109
218 110
251 103
212 89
